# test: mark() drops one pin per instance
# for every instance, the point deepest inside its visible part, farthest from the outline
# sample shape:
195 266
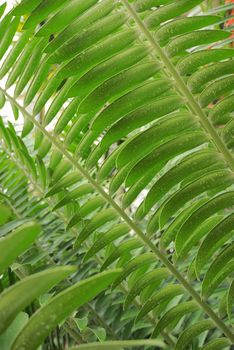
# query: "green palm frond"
125 150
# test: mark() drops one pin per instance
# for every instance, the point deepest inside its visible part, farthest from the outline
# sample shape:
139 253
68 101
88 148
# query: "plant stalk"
158 253
193 104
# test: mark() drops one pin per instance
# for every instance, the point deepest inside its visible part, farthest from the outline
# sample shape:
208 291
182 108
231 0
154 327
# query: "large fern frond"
131 107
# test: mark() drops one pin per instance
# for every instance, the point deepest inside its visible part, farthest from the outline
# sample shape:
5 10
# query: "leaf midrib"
158 253
193 105
166 335
50 259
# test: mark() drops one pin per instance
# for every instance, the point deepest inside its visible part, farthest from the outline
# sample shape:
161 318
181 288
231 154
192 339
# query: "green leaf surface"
164 294
21 294
222 266
175 313
5 213
48 316
119 345
73 9
15 243
192 332
217 344
8 337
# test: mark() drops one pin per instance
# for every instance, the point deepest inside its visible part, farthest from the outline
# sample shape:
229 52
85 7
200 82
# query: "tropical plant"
119 155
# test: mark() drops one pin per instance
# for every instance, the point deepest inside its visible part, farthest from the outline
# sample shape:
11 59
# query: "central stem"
192 103
57 144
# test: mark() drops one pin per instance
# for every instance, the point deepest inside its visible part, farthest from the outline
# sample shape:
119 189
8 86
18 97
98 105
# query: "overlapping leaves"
121 131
